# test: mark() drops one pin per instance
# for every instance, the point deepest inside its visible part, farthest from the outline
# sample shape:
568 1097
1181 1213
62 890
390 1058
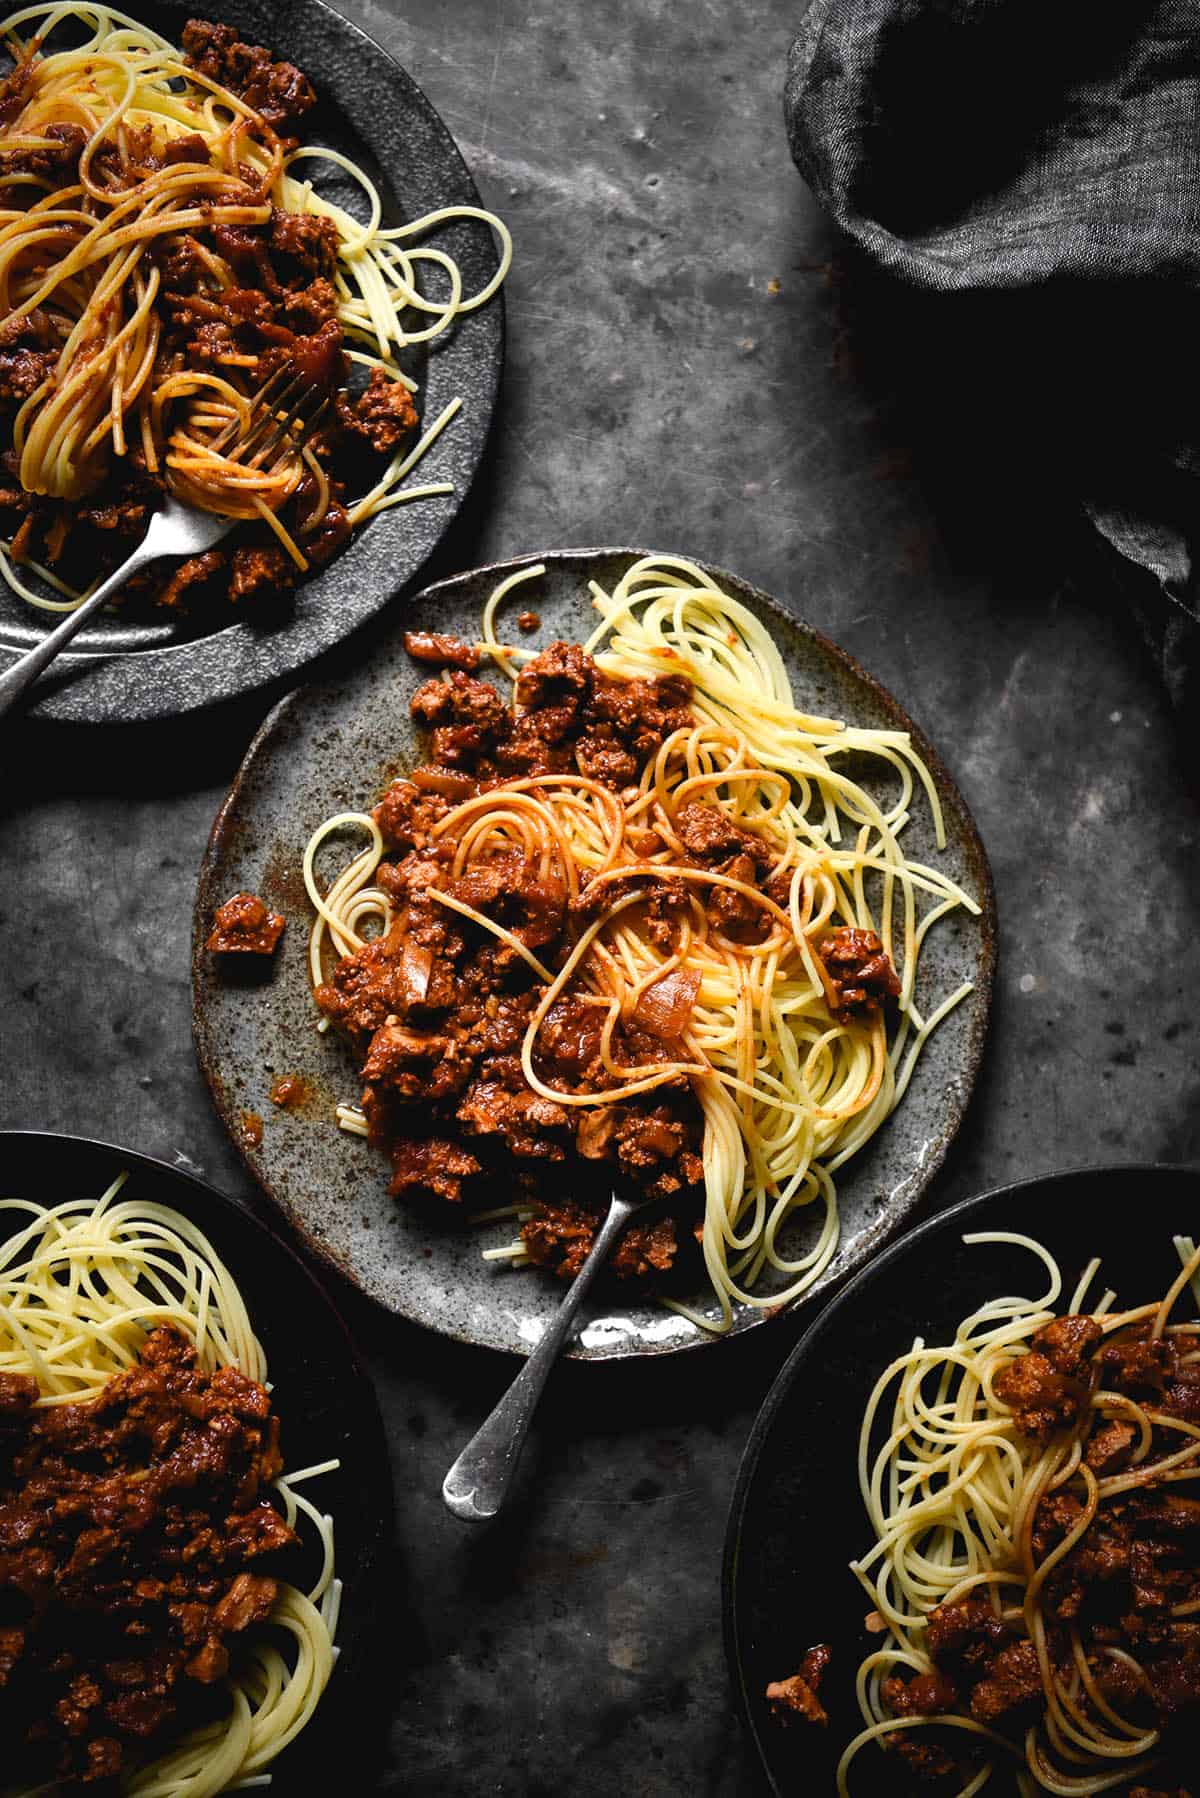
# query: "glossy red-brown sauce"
290 1091
245 925
251 1130
136 1542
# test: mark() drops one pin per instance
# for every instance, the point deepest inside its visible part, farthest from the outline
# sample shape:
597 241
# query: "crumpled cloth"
1036 163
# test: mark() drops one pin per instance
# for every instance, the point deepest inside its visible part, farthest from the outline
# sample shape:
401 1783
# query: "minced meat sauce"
1131 1584
797 1696
438 1009
133 1530
245 925
281 310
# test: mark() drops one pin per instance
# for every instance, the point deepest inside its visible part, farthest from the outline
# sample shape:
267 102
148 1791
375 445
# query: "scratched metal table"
690 365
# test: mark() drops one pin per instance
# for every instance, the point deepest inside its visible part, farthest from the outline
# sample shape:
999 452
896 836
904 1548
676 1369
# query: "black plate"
325 1403
370 109
797 1519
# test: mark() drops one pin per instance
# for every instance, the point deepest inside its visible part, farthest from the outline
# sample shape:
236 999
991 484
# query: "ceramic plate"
325 1404
797 1517
332 748
126 670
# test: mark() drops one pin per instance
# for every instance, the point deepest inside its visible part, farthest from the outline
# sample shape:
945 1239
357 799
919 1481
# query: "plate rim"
56 705
781 1385
225 1201
877 1234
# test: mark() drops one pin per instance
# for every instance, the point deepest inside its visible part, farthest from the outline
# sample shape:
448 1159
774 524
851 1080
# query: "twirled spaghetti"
163 253
722 966
713 900
1035 1564
83 1284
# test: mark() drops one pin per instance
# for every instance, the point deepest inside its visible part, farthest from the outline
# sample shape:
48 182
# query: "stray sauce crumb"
289 1090
528 621
252 1130
245 926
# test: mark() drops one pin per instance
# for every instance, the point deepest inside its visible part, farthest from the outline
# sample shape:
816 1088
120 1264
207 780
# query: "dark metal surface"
797 1517
659 389
326 750
125 668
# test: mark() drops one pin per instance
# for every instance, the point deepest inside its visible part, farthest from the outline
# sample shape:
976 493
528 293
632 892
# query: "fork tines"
285 411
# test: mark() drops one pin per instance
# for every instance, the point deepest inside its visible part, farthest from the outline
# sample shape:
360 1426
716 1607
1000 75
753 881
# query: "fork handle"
25 670
477 1484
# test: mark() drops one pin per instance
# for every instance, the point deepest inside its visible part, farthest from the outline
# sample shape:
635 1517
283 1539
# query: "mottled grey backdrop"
690 366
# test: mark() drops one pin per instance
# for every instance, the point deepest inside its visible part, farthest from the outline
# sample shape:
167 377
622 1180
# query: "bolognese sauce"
437 1009
136 1532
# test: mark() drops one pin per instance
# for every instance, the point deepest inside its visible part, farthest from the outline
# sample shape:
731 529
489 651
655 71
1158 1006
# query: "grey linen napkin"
1033 166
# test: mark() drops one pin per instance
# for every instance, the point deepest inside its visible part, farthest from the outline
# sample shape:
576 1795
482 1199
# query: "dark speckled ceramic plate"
332 748
325 1403
797 1518
126 670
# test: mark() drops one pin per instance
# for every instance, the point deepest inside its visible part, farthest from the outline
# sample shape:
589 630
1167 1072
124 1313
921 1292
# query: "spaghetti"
711 915
88 1290
163 255
1035 1562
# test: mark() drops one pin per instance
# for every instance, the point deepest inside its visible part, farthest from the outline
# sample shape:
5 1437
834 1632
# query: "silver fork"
477 1485
283 415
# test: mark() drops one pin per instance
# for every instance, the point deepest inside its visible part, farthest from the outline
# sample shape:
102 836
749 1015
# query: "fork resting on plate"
478 1484
282 417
